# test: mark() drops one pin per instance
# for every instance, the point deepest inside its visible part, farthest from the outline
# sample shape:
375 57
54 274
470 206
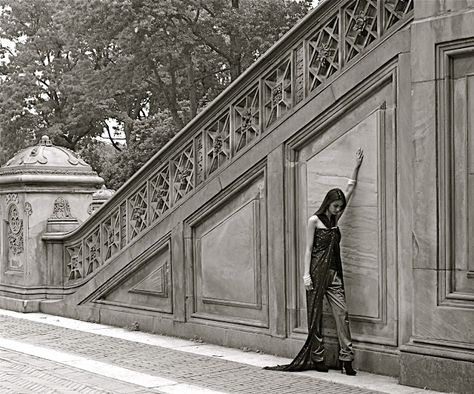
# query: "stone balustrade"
304 61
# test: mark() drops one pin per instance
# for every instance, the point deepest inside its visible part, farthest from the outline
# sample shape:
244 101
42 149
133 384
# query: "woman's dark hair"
331 196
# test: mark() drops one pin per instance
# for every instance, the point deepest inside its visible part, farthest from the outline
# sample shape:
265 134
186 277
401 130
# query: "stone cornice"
50 179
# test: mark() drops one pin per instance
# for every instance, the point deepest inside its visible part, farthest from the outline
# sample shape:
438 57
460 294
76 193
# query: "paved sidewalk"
73 356
21 373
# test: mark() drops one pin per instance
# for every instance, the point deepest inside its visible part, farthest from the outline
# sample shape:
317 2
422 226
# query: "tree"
143 145
77 70
47 86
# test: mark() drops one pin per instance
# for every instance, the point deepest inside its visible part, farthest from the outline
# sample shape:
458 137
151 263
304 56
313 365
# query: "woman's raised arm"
352 182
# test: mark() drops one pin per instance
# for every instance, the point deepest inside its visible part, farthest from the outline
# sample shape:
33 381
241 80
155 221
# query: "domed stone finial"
99 198
45 141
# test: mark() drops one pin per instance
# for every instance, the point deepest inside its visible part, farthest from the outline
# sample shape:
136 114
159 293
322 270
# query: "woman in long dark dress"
323 277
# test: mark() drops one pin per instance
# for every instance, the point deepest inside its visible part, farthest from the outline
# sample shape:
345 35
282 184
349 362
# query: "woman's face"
335 207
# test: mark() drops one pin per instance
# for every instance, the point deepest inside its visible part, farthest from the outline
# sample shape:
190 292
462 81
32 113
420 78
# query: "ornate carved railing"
304 61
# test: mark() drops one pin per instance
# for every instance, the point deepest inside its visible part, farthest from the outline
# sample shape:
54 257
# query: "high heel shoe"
347 366
321 367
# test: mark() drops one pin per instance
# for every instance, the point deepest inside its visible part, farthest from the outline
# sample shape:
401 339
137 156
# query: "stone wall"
206 240
442 341
226 265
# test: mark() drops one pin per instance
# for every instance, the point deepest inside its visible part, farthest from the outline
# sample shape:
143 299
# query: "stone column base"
436 368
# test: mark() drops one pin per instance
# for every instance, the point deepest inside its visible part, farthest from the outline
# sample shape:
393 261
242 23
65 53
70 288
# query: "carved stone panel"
278 92
229 264
360 223
323 54
148 287
299 73
160 200
15 238
74 269
396 10
231 238
138 212
111 235
183 173
367 246
218 145
360 26
92 252
457 275
61 209
247 119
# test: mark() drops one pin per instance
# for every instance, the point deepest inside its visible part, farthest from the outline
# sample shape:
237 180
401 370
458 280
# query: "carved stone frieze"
395 10
15 231
159 186
74 268
61 209
299 65
360 21
247 119
11 198
138 212
12 171
324 53
183 175
218 143
277 93
199 159
28 209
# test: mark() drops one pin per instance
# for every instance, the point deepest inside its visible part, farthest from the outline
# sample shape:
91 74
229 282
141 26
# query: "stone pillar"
99 198
440 354
45 191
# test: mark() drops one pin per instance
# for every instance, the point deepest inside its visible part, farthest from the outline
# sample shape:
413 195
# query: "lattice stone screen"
300 72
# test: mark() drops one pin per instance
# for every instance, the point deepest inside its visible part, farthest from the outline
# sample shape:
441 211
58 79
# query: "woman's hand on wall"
359 157
308 283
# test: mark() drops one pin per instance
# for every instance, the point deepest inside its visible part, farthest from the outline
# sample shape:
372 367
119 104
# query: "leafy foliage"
136 68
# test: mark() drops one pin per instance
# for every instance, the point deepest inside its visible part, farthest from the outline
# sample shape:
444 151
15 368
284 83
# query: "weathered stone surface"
405 197
148 287
229 259
438 322
429 8
276 242
332 167
437 373
425 189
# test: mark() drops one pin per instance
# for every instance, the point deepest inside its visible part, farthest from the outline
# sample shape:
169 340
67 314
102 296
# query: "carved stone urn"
44 190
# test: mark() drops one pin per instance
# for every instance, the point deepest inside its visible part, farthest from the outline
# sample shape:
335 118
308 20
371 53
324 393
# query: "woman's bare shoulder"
313 220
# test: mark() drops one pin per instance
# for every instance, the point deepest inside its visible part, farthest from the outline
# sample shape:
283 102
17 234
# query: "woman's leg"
314 310
337 301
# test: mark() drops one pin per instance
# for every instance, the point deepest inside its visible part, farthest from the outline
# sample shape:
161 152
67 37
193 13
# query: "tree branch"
114 144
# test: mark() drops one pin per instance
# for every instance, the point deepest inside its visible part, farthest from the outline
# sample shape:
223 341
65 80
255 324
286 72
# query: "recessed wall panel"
359 225
368 227
458 281
229 258
148 287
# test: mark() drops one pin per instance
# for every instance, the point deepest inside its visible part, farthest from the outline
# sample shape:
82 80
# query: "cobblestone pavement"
24 374
190 373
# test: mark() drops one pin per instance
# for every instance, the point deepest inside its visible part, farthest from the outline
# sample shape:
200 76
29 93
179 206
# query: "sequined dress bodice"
326 250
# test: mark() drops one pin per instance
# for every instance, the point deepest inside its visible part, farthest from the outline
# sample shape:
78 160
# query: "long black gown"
325 255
